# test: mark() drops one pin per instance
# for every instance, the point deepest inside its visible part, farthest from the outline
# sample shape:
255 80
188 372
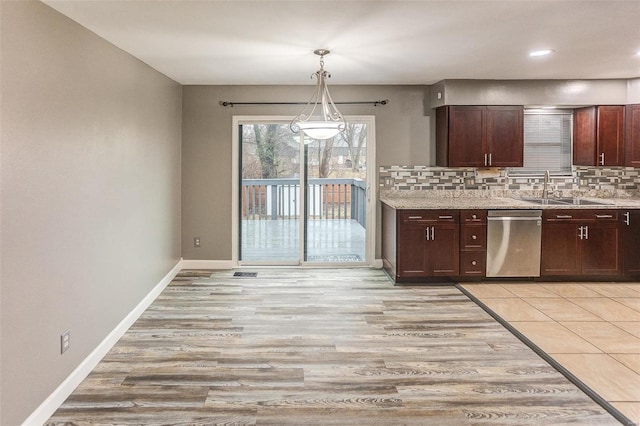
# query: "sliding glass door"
336 186
301 200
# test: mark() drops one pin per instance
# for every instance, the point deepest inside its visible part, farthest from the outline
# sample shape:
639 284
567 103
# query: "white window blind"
547 143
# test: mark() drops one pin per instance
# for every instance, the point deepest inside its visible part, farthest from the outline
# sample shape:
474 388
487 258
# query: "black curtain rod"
374 103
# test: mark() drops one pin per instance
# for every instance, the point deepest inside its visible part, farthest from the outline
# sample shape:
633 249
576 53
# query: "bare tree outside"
325 151
354 136
340 157
269 151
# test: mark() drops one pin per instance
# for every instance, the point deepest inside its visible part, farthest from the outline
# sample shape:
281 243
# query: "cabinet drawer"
428 216
473 237
579 215
472 263
473 216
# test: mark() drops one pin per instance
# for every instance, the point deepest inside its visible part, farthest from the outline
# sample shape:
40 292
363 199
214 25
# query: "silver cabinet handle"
433 234
485 159
429 236
604 216
584 232
489 158
415 217
445 217
602 159
627 218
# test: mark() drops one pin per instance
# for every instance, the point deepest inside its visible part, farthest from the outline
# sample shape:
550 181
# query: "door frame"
371 174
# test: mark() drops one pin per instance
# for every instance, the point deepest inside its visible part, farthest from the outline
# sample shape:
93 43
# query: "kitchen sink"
564 201
545 201
582 202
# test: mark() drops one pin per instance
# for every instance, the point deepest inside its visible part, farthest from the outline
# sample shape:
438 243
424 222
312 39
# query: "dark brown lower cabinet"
630 230
580 243
427 244
420 243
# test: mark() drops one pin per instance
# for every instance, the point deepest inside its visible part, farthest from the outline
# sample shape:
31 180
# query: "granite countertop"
432 200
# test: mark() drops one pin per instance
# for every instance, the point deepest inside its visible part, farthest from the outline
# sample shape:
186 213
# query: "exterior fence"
326 199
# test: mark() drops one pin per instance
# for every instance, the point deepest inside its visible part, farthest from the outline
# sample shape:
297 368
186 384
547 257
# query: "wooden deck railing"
327 199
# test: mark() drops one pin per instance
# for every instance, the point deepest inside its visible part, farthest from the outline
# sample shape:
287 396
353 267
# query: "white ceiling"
372 41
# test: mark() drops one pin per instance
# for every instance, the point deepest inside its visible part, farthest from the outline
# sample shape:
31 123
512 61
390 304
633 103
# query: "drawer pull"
473 237
445 217
604 216
474 263
474 217
415 217
563 216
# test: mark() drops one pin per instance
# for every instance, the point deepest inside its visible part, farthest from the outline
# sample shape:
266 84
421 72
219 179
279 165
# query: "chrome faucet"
545 190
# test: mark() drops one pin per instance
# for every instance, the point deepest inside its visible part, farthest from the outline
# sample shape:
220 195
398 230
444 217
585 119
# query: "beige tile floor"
591 329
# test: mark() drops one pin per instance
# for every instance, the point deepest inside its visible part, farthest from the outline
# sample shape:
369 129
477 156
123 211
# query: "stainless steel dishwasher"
513 243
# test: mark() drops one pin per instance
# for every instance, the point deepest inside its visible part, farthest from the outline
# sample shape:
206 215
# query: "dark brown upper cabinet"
479 136
598 136
632 136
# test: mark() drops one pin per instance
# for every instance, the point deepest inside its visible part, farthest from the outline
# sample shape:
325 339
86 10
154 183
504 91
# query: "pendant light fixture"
320 119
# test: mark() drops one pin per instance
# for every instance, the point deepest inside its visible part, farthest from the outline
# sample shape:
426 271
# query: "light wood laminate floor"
591 329
324 347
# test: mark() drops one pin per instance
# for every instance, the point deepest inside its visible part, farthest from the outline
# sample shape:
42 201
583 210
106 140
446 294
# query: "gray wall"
633 91
530 92
90 194
402 138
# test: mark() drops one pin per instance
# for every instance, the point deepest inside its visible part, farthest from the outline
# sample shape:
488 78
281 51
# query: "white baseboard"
62 392
206 264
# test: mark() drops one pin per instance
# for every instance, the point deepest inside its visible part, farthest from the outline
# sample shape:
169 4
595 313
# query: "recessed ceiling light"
542 52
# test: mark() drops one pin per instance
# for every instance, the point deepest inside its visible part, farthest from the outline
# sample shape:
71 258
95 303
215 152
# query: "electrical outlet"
196 242
65 341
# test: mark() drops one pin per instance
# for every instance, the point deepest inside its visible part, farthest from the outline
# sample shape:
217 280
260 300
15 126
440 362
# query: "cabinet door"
630 230
609 131
632 136
584 136
467 138
411 245
560 249
600 249
443 251
505 136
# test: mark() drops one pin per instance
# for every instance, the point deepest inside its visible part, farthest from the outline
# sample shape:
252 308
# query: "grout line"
555 364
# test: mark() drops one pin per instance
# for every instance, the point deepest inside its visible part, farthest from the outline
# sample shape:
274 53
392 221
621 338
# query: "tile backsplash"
434 178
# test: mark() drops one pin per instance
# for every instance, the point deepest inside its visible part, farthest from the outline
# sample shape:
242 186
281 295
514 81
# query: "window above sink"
547 143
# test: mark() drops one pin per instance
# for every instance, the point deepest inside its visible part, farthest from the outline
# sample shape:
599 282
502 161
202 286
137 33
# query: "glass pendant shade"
320 129
320 119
